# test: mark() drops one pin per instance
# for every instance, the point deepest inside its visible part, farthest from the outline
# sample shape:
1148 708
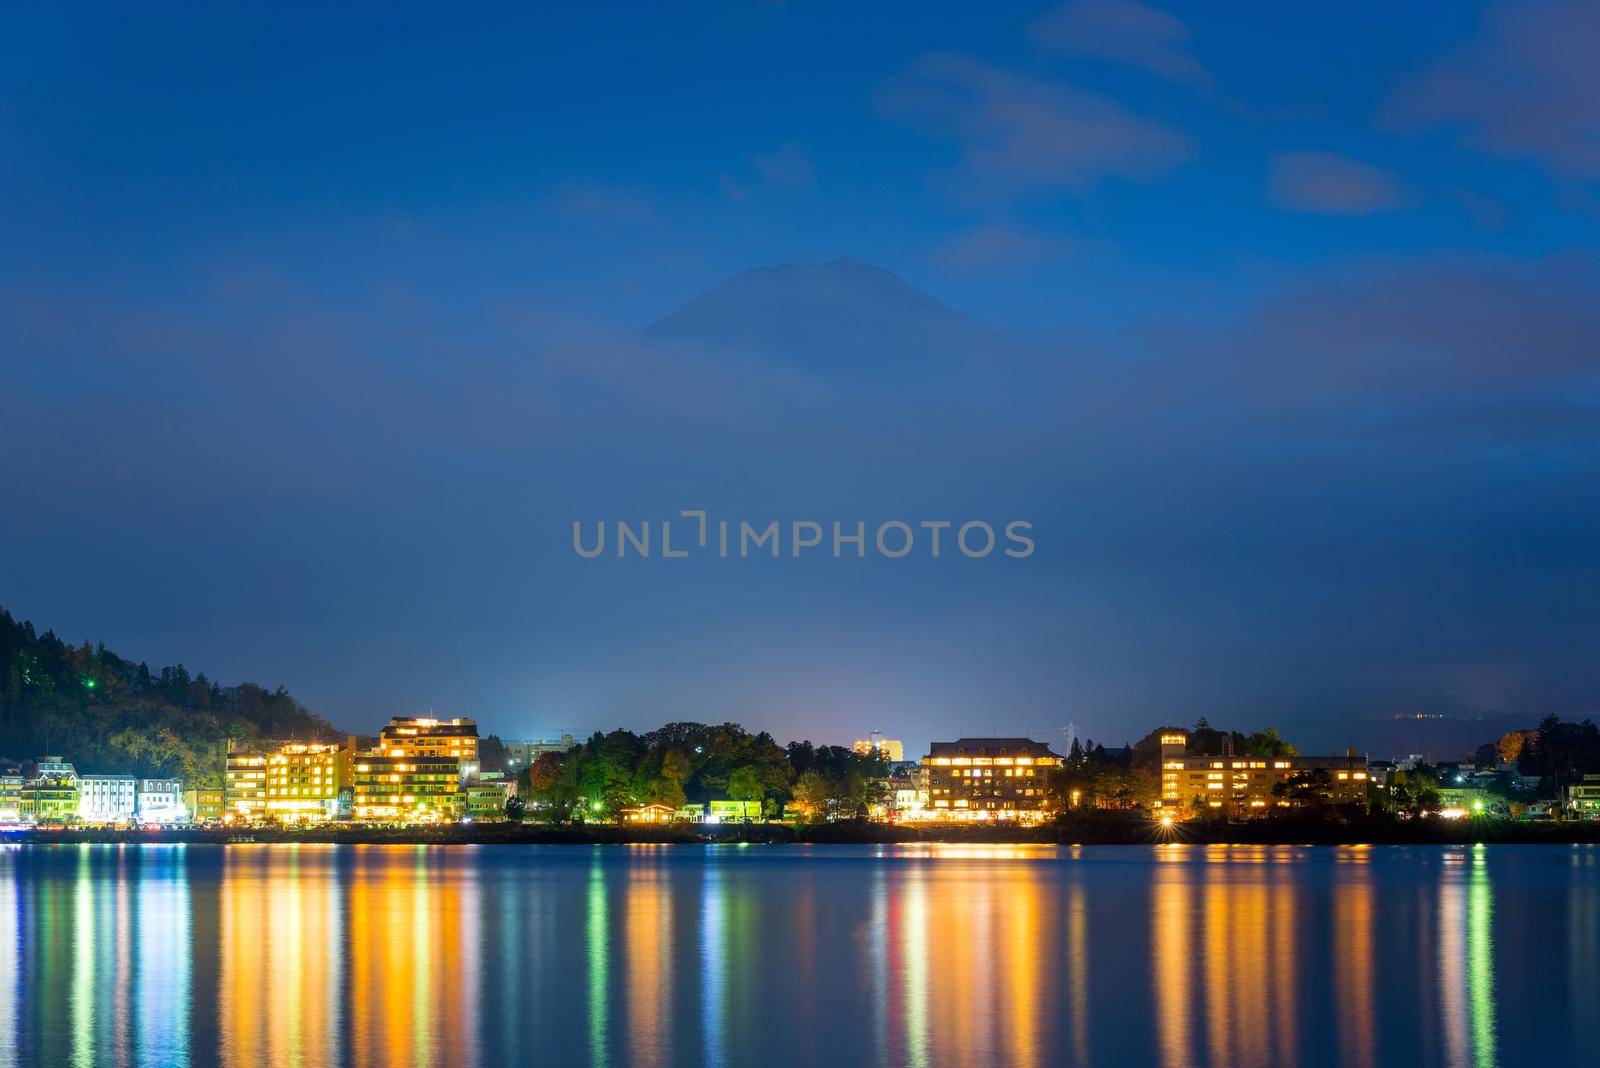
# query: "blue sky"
273 282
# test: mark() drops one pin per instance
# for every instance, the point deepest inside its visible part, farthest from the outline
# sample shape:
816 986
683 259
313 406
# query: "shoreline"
1082 831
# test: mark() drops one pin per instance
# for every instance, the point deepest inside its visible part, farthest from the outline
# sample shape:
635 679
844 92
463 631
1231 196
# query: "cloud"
1021 132
1527 86
1123 32
1492 353
997 247
1331 184
789 167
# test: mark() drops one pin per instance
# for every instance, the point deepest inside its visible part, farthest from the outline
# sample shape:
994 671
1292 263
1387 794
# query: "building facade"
205 804
1243 785
1583 798
49 801
107 798
244 785
10 796
980 779
486 800
304 780
394 788
161 801
890 749
521 755
419 736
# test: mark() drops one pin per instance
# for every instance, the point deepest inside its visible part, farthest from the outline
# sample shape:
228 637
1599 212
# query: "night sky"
1280 324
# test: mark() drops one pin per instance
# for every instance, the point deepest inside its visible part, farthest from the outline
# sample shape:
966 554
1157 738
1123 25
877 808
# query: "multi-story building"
10 795
906 801
304 780
391 787
1243 785
107 798
973 779
244 785
205 804
1583 798
890 749
51 796
161 801
521 755
486 799
418 736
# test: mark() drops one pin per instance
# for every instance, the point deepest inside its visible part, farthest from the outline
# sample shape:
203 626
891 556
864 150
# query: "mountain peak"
842 314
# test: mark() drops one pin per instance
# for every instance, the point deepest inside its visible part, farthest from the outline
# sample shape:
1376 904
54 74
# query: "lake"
1173 955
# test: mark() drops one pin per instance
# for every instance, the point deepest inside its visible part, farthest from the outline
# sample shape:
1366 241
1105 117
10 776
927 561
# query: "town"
428 771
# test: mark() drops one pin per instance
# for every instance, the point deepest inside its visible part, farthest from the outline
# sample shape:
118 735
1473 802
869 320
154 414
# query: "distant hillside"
110 715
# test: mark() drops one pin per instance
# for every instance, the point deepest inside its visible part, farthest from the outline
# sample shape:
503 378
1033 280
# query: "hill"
110 715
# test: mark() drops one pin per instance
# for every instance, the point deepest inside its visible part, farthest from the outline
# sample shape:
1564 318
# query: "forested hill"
110 715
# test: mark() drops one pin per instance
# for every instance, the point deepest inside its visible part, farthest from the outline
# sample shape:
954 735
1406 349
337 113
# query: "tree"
812 795
744 784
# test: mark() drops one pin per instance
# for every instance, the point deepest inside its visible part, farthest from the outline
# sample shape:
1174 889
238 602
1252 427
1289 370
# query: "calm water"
1179 956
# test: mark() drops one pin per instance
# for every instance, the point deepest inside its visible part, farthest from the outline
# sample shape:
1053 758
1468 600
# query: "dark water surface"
726 956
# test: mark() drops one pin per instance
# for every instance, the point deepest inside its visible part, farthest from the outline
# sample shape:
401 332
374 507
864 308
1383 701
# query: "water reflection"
1184 956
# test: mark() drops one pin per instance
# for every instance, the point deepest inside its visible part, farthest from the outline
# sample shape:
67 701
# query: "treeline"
691 763
111 715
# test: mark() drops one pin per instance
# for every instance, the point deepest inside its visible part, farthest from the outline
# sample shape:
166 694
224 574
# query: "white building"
521 755
161 801
107 798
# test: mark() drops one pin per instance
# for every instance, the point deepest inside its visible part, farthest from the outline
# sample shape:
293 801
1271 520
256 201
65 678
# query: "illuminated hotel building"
891 750
304 780
412 736
205 804
404 788
244 785
107 798
10 797
1242 785
988 779
290 782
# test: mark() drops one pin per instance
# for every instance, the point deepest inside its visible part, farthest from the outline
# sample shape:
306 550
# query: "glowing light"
1166 819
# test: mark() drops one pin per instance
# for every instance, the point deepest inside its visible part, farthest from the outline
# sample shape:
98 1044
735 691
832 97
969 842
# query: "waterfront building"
890 749
422 736
107 798
52 795
522 754
394 788
1242 785
486 799
161 801
980 779
652 813
908 801
10 795
733 811
304 780
1583 798
205 804
244 785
